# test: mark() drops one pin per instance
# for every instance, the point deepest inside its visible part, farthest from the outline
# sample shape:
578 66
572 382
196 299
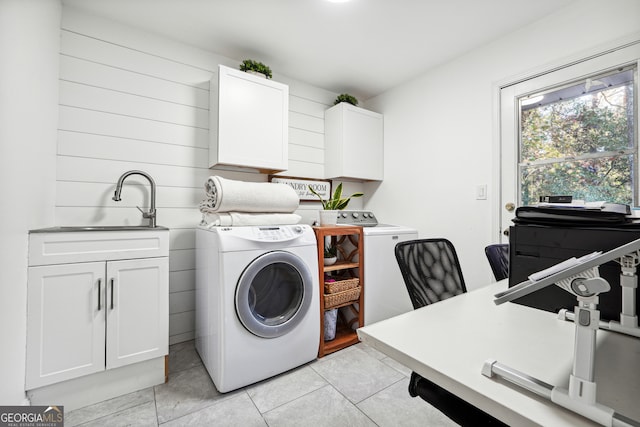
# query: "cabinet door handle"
99 294
112 294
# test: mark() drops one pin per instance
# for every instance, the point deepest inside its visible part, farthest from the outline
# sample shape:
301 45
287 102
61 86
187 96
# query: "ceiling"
361 47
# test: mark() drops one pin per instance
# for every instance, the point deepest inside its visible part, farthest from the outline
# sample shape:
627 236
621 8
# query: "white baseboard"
94 388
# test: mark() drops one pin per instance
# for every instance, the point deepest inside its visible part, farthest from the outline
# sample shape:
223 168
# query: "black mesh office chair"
431 273
430 269
498 256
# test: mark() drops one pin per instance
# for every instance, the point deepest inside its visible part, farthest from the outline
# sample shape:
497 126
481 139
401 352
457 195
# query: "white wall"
132 100
29 44
440 128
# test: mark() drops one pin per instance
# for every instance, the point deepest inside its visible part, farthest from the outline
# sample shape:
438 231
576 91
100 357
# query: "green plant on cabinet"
336 201
258 67
345 97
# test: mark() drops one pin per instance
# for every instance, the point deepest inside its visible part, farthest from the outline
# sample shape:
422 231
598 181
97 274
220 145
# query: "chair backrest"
430 269
498 256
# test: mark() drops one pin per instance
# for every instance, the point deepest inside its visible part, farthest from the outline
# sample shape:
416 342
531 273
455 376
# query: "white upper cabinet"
249 121
354 143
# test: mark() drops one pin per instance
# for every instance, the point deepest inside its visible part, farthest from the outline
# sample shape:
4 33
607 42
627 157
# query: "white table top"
448 343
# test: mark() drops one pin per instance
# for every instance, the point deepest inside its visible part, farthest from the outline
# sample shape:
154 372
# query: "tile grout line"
190 358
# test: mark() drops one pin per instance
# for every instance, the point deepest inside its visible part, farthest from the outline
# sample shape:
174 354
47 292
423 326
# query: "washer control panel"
277 233
363 218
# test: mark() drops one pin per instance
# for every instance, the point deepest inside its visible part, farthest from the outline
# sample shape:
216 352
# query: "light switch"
481 192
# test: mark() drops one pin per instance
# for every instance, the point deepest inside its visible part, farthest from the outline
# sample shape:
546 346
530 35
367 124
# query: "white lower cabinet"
88 317
137 310
65 327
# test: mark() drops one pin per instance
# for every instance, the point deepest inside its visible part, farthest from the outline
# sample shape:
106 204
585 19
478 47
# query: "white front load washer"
257 301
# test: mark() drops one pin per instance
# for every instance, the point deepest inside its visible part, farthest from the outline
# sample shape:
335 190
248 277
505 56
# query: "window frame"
633 151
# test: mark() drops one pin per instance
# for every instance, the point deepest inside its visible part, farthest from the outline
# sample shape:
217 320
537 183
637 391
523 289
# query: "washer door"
274 294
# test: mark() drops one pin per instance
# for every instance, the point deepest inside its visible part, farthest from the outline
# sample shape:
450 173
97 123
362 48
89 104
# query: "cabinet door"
363 144
354 143
137 310
252 122
65 322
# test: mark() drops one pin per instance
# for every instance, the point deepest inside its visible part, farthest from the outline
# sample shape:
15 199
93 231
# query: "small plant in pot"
329 214
345 97
330 255
255 66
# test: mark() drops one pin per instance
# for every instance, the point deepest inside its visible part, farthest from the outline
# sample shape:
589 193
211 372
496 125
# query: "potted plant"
329 214
330 255
249 65
345 97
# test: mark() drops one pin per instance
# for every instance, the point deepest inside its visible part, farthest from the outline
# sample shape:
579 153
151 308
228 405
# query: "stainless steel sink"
65 229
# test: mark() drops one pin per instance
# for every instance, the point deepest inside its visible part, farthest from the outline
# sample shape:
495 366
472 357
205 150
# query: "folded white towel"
226 195
227 219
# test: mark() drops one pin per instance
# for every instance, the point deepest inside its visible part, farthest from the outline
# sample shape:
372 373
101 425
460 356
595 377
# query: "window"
579 139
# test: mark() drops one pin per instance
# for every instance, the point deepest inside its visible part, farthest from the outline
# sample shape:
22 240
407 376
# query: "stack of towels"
237 203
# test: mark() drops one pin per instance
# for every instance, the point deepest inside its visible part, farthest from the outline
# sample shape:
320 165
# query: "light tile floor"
357 386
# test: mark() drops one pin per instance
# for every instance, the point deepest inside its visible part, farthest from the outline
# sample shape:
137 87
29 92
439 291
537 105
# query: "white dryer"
257 301
385 294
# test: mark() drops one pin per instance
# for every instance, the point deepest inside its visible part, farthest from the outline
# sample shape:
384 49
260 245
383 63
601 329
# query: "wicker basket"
340 285
339 298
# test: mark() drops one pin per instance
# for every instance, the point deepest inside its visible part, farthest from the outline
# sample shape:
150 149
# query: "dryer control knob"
297 229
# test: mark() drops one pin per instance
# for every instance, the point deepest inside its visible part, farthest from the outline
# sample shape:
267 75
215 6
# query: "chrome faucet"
151 215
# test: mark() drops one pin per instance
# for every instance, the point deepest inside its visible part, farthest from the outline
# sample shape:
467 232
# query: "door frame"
595 52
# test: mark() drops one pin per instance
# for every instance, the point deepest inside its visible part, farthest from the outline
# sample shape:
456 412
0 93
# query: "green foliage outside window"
581 146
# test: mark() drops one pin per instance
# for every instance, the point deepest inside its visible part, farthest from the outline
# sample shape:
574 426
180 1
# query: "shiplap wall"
131 100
